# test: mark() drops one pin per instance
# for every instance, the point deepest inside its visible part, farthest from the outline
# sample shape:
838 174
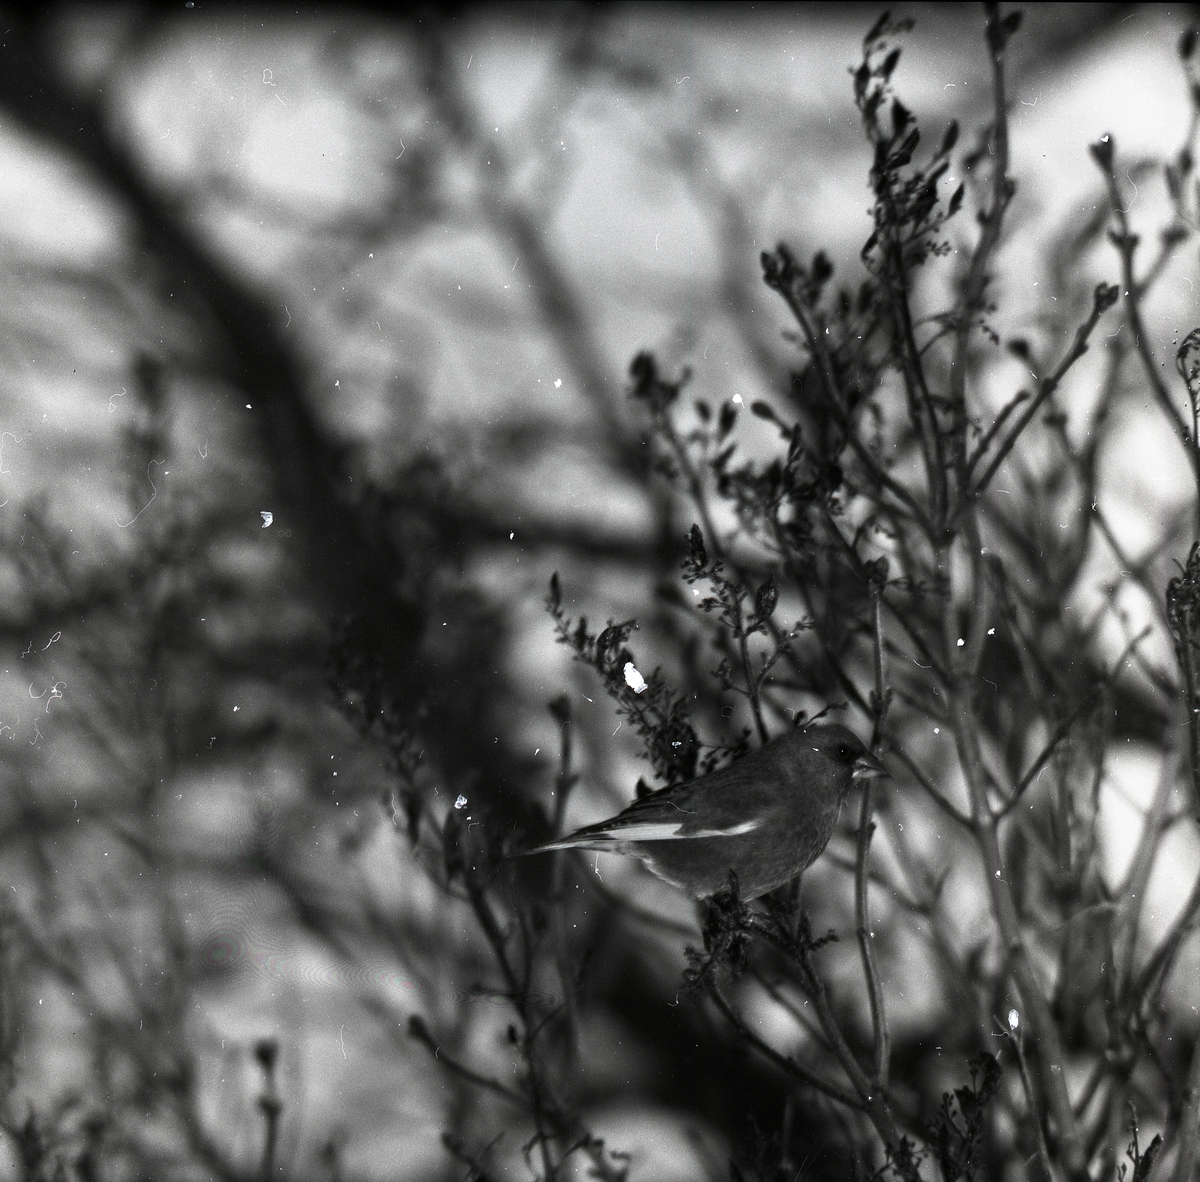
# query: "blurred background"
317 325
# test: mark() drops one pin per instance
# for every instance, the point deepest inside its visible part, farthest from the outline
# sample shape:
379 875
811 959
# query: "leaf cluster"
956 1134
657 712
907 213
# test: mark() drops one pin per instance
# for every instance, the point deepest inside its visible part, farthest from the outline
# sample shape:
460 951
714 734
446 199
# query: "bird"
767 817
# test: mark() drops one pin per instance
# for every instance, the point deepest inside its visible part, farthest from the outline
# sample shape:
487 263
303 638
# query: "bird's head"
839 750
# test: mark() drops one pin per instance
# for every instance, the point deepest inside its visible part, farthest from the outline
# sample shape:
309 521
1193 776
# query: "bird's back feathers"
763 788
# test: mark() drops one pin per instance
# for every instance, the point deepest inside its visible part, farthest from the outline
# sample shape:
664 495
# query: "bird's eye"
844 753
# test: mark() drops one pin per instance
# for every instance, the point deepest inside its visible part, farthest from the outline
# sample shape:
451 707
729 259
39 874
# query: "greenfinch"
767 817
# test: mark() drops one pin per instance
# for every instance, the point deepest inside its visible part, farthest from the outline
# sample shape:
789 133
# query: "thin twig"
1018 399
984 829
1035 1116
1126 243
836 404
784 1062
1060 733
880 1035
696 491
914 769
1103 299
1124 938
874 1100
975 285
421 1033
1189 1147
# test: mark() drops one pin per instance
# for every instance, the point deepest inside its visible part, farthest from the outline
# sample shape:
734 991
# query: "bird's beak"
867 767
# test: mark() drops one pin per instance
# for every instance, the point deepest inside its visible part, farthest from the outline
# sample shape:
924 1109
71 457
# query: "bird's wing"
670 815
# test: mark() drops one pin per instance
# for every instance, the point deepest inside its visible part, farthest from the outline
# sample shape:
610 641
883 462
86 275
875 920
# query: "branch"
950 810
421 1033
874 1099
1126 243
1106 294
881 1037
984 829
1034 1114
1047 751
977 275
784 1062
836 404
1022 396
1189 1147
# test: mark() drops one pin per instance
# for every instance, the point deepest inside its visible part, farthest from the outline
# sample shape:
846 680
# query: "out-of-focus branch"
1033 1108
881 1036
785 1062
557 300
1052 1056
1126 242
991 222
1104 297
246 346
1183 613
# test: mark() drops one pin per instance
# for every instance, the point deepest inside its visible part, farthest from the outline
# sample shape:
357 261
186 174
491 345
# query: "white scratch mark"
3 437
111 408
1135 191
148 503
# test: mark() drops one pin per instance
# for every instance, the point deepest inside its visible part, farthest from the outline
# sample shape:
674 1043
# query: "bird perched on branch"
766 817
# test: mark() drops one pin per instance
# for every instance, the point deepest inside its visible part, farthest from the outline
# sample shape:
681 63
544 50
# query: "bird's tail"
577 841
